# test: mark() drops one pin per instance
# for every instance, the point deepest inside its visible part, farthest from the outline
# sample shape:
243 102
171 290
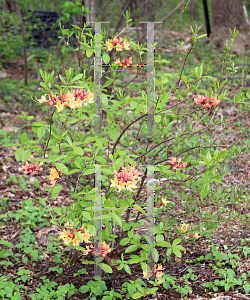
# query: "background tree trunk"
229 14
193 10
90 5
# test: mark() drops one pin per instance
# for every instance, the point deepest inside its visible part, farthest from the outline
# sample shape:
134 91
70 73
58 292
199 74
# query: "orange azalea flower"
76 242
214 101
126 45
53 176
184 227
59 106
88 97
117 62
125 63
73 99
118 44
196 235
32 168
43 99
109 44
157 272
104 250
126 179
206 101
177 164
69 236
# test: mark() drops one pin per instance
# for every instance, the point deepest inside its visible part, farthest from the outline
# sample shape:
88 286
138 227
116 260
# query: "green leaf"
134 260
163 244
78 150
84 289
177 252
40 132
176 242
157 118
89 52
117 219
19 153
106 58
137 295
201 36
62 79
77 77
113 134
26 155
88 172
107 172
131 248
127 269
23 138
133 104
61 167
101 160
106 268
105 100
152 290
204 190
91 229
124 241
221 155
169 251
57 188
159 238
44 86
86 215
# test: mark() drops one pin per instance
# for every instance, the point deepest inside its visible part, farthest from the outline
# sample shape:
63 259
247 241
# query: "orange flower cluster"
32 168
125 63
164 202
177 164
206 101
126 179
118 44
157 272
184 227
196 235
69 236
104 250
54 176
73 99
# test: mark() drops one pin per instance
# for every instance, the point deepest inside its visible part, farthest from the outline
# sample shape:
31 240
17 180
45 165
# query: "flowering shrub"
75 155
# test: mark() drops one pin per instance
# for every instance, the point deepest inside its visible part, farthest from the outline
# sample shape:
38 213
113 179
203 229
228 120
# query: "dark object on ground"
44 27
206 17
